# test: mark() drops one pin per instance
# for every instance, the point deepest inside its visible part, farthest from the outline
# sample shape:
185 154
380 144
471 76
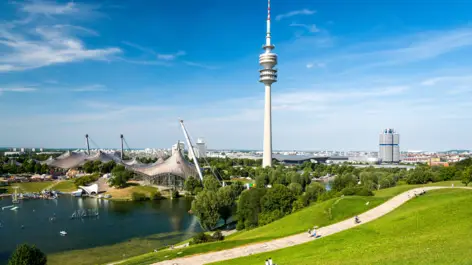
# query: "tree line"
282 190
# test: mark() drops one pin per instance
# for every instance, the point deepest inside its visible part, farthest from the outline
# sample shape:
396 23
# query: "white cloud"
295 13
90 88
17 89
319 65
311 28
51 9
200 65
171 56
35 44
139 47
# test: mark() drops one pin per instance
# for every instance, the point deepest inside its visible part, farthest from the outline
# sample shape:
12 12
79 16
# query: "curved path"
297 239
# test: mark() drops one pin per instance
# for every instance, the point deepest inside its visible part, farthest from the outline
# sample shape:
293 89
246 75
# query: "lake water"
117 222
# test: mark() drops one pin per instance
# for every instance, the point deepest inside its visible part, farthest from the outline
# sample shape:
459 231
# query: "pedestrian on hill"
267 262
270 261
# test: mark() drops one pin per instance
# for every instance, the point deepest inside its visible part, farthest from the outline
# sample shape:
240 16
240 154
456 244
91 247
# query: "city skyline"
72 68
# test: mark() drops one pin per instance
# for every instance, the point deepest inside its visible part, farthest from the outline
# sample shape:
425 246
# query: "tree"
108 167
191 184
249 207
88 167
279 198
205 206
120 177
27 255
226 202
296 188
262 180
211 183
314 190
237 187
343 181
467 176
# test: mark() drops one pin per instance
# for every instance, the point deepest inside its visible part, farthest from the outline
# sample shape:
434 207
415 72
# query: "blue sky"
347 69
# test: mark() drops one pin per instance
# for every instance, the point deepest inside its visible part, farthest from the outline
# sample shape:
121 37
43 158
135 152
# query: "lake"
117 222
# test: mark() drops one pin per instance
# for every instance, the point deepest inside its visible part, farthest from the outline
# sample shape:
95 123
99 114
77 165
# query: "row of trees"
30 166
292 189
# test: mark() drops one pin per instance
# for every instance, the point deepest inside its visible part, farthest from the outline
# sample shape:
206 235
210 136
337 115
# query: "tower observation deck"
268 76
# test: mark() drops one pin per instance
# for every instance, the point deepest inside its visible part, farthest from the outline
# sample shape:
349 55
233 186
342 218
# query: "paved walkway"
275 244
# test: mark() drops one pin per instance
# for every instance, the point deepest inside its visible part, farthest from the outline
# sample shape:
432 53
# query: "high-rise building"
201 148
268 76
389 146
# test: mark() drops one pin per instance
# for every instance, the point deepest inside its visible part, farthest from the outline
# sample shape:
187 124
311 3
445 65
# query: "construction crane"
190 149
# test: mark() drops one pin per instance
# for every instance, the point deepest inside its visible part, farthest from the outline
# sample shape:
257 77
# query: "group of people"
416 194
269 262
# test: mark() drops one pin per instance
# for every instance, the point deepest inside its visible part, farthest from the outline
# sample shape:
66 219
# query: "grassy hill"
432 229
320 214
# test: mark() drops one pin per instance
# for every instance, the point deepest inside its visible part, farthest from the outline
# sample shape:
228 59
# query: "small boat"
6 207
63 233
15 208
77 193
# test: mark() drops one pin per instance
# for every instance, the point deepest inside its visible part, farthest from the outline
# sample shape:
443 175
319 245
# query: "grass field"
317 214
64 186
105 254
30 186
431 229
125 193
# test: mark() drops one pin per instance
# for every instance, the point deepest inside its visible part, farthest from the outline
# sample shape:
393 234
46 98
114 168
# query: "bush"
155 196
138 196
174 194
269 217
359 191
204 238
301 202
218 236
199 238
85 180
27 255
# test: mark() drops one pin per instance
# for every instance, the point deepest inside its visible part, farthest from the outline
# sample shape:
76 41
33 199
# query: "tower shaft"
267 156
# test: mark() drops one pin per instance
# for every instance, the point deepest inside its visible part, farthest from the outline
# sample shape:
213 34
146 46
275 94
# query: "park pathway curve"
372 214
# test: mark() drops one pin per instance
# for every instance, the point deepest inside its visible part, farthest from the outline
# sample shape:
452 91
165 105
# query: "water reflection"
117 222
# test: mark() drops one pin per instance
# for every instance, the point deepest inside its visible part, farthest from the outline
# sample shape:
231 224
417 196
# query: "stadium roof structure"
175 165
70 159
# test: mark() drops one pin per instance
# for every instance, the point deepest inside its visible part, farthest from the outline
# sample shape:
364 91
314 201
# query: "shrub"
218 236
155 196
199 238
174 194
269 217
301 202
26 254
85 180
138 196
359 191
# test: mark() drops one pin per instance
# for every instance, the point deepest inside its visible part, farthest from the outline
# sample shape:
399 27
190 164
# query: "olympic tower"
268 75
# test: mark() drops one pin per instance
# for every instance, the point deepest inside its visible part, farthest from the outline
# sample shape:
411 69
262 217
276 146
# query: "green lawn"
30 186
65 186
390 192
431 229
317 214
106 254
124 194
